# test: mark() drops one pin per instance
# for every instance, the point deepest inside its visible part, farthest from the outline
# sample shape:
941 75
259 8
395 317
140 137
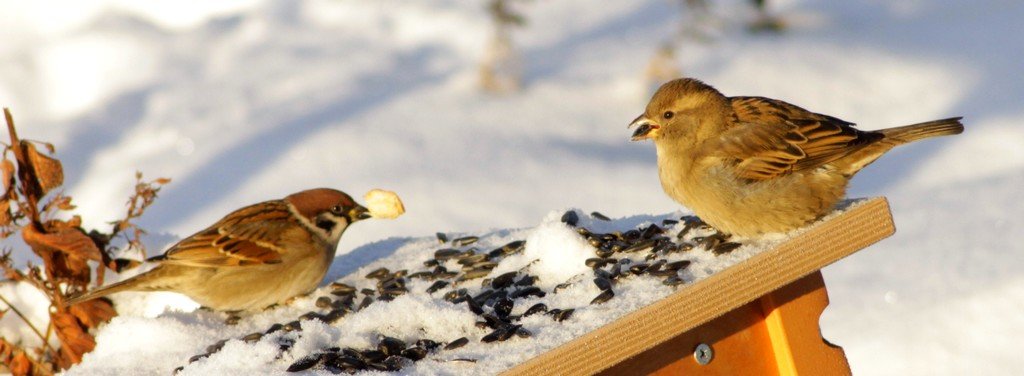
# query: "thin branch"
29 323
39 367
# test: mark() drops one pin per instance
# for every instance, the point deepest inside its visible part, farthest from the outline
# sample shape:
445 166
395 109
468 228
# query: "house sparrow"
254 257
751 165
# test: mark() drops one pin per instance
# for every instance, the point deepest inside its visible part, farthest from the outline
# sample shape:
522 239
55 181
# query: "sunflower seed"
437 286
535 309
378 274
725 248
504 280
605 296
304 363
456 343
677 265
464 241
570 218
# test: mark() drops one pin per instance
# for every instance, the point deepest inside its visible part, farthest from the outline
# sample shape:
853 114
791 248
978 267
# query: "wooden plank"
777 334
821 245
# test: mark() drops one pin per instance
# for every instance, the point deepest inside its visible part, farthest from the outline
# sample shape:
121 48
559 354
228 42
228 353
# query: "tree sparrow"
751 165
254 257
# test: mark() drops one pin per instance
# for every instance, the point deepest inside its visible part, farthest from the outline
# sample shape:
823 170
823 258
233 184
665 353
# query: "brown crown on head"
683 87
311 202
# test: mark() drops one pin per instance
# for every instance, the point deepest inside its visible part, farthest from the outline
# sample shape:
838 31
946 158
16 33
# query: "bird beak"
358 213
644 128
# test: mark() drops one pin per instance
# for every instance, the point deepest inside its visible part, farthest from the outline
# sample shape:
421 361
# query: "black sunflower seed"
323 302
570 218
274 328
365 303
391 345
535 309
304 363
437 286
456 343
673 281
464 241
527 281
447 253
503 307
338 288
677 265
725 248
414 353
605 296
378 274
527 292
563 315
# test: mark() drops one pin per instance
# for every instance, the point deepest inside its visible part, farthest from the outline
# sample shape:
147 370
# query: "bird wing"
771 138
248 236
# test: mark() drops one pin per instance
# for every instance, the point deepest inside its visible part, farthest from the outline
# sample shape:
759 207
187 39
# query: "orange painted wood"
777 334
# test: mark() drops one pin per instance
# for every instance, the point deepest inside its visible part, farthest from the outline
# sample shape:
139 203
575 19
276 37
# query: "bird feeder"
758 317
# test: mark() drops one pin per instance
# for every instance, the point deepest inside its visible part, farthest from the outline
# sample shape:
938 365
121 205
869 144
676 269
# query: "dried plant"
501 68
65 249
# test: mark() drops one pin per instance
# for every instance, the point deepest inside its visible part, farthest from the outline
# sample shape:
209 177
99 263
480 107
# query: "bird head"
327 212
682 109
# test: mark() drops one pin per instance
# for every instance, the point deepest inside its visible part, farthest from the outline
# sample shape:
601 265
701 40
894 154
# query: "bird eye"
336 209
668 115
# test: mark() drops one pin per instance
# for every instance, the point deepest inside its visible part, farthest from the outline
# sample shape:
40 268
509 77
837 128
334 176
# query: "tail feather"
914 132
892 137
136 283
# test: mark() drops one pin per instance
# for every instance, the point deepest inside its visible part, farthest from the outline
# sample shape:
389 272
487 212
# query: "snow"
243 101
555 253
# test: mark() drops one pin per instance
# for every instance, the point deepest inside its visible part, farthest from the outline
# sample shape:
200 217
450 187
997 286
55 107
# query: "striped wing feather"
771 138
248 236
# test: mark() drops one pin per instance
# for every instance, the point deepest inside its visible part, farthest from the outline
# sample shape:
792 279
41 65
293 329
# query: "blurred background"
490 114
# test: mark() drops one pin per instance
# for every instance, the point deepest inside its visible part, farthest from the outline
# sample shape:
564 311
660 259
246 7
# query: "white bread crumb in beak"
383 204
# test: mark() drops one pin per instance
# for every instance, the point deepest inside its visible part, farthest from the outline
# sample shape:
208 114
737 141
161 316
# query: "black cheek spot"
326 225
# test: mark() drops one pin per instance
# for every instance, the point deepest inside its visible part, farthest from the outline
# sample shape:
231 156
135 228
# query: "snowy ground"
241 101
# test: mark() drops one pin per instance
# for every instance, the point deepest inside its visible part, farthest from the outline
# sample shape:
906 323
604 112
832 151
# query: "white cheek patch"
384 204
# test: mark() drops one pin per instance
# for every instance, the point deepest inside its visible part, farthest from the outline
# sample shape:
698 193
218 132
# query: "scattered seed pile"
480 304
464 273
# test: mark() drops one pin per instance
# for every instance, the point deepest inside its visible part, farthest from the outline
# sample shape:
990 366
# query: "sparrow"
754 165
257 256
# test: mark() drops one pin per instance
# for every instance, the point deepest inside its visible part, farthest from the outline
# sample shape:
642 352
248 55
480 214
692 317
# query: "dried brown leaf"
162 181
20 365
66 239
65 252
75 221
92 313
5 213
74 340
8 174
49 147
48 171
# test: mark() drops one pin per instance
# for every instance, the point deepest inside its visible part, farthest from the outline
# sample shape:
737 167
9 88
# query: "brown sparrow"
751 165
255 257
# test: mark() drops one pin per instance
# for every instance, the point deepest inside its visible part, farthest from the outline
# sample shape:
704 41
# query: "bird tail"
140 282
914 132
891 137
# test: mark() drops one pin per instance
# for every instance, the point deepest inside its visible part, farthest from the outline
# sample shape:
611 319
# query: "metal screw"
703 354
